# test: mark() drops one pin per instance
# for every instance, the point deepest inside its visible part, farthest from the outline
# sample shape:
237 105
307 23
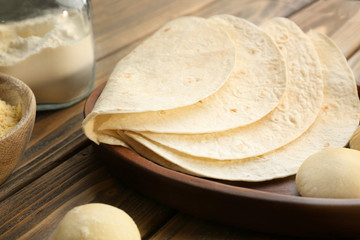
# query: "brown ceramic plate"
273 206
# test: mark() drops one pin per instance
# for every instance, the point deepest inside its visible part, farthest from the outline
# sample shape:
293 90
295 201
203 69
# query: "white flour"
52 53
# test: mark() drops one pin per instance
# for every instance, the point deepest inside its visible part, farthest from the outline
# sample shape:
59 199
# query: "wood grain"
60 171
338 19
33 212
183 226
119 23
256 11
354 63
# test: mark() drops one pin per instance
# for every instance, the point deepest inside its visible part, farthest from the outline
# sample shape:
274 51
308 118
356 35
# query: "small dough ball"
355 140
96 221
330 173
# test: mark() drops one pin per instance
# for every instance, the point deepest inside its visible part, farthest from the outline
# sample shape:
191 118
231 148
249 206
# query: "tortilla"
335 124
297 110
254 88
184 62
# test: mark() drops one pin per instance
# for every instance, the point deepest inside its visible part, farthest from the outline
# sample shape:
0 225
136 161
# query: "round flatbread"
249 94
296 112
334 126
184 62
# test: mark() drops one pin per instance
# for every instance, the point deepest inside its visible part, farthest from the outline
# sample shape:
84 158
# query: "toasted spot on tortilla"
253 51
271 68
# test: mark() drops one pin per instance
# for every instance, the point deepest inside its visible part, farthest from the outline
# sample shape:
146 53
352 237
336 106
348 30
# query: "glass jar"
48 44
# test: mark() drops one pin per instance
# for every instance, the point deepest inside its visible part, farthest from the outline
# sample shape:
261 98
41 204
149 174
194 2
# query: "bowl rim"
25 114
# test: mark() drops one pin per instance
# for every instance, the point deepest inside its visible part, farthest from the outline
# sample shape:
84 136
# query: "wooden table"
60 171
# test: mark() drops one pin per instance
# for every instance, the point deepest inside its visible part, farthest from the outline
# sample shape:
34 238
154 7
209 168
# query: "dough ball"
96 221
355 140
331 173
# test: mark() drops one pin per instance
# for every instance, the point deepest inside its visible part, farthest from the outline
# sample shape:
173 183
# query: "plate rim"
329 207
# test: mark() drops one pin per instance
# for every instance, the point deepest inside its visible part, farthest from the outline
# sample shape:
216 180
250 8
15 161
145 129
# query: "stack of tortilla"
226 99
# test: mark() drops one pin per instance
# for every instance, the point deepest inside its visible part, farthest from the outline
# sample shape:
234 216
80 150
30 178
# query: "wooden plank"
58 134
119 23
45 154
183 226
347 37
133 20
354 63
34 211
338 19
256 11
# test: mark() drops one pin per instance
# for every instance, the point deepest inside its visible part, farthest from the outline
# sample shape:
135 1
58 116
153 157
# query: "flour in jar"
53 54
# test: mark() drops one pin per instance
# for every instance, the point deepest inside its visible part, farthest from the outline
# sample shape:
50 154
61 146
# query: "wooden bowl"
13 143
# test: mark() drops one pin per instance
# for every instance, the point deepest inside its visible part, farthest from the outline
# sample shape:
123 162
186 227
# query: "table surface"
60 171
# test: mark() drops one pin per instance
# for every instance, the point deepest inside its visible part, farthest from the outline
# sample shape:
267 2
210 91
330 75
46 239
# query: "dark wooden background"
59 170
